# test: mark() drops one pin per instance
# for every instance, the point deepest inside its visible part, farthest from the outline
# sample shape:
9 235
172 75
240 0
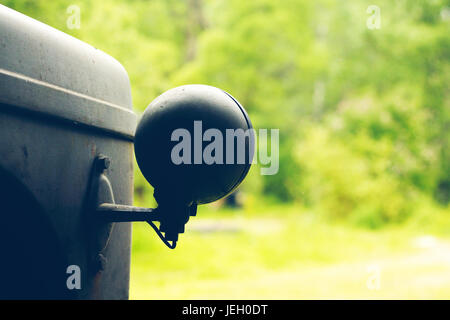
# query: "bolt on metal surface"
102 163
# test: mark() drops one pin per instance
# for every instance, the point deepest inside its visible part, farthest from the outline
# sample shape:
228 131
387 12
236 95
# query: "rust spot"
93 149
95 291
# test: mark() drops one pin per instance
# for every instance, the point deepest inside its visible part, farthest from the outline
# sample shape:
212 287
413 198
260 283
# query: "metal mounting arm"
111 212
172 213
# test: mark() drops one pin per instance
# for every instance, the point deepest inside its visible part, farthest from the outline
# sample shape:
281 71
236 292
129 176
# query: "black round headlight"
195 143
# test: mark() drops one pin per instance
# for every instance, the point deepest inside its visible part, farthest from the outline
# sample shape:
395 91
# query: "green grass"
284 252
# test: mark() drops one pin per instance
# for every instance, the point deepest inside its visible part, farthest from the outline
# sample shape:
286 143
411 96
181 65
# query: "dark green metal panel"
62 103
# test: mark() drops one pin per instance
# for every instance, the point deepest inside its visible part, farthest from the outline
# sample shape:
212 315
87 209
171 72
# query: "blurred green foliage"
363 114
273 252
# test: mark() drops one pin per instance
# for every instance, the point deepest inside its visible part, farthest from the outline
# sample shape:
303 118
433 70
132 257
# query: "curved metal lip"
248 166
45 98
